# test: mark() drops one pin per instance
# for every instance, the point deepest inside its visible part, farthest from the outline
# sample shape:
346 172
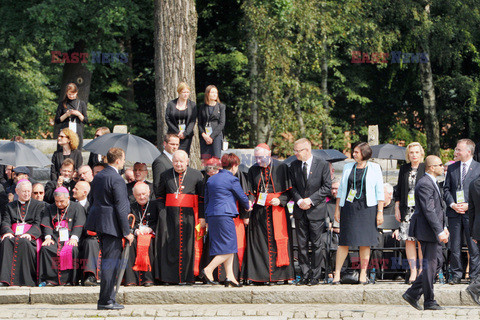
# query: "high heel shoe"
233 284
205 278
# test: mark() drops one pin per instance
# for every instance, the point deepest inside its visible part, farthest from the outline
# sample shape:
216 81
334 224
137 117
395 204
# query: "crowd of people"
222 225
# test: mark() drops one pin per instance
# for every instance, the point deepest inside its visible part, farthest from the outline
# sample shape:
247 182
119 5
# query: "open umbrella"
21 154
136 149
388 151
330 155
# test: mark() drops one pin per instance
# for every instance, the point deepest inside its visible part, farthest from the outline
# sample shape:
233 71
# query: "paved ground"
234 311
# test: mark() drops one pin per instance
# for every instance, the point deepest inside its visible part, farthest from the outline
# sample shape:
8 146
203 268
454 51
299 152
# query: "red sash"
190 201
142 262
280 230
240 230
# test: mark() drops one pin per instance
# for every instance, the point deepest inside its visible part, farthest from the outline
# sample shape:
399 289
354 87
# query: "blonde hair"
182 86
72 136
414 144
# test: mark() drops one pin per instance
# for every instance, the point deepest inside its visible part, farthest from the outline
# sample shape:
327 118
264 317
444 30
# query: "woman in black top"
211 121
180 116
408 177
68 141
72 113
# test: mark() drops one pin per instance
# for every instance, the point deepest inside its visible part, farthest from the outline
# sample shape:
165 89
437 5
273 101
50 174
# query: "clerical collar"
169 155
22 202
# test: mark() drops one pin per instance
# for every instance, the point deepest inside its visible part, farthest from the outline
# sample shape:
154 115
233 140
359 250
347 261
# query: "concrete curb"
383 294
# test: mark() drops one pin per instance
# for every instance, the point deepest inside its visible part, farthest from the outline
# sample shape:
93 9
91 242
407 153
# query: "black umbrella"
136 149
124 259
330 155
21 154
388 151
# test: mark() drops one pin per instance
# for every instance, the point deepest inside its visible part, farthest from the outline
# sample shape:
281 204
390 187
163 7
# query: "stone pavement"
234 311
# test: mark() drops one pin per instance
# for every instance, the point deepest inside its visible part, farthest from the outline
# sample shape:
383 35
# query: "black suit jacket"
429 219
401 192
317 188
474 208
57 159
110 206
452 184
51 186
159 166
216 119
172 124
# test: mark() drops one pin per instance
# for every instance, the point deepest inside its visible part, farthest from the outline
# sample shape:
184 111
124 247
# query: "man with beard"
268 255
179 248
62 227
64 180
20 231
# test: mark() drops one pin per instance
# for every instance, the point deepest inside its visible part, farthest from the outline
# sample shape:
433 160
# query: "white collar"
468 162
309 161
169 155
114 168
83 202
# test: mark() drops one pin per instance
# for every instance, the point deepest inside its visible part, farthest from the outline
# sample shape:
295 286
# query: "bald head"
180 161
141 192
81 190
434 165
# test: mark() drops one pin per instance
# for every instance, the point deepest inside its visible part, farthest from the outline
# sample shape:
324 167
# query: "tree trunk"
252 59
324 84
175 40
298 114
78 74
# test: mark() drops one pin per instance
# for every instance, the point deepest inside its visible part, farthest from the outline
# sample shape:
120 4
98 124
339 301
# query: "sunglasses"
38 192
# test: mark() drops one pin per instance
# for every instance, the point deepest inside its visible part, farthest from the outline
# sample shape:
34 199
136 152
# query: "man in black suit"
164 161
311 184
427 225
456 188
108 217
474 219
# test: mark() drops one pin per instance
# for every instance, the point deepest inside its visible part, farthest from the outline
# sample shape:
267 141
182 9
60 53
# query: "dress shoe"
474 296
302 282
434 306
148 284
411 301
365 282
314 282
335 283
229 283
4 284
205 278
112 306
454 280
90 281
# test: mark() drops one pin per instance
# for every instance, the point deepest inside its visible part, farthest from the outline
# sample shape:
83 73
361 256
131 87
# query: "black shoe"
233 284
3 284
302 282
434 306
314 282
411 301
112 306
474 296
454 280
335 283
205 278
90 281
365 282
148 284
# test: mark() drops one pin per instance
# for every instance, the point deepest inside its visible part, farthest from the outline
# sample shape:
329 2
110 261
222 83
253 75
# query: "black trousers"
475 285
211 150
308 230
458 227
111 248
432 256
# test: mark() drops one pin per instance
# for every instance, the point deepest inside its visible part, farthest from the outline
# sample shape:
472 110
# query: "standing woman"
181 115
211 121
68 141
359 208
404 195
221 192
72 113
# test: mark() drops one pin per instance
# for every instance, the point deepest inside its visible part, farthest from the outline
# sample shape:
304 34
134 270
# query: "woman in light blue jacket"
359 208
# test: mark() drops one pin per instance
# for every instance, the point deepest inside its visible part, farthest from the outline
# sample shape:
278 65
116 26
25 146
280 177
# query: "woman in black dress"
72 113
408 177
68 141
181 115
360 197
211 121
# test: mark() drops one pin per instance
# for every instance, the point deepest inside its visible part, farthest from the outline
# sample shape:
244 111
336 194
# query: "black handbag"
349 276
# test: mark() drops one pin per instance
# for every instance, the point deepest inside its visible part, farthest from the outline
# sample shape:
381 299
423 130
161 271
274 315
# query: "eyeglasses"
38 192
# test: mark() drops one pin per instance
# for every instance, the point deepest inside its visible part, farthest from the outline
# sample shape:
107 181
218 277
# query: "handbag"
349 276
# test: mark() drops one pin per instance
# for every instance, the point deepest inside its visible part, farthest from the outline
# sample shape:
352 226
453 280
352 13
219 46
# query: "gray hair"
388 187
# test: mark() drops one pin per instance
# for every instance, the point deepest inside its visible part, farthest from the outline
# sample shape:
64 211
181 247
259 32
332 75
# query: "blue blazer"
221 193
373 183
110 207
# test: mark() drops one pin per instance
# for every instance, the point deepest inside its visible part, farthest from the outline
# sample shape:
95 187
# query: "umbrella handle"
133 219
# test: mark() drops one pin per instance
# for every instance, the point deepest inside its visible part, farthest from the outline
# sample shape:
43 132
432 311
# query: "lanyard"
177 186
144 212
60 218
209 110
355 179
265 186
26 212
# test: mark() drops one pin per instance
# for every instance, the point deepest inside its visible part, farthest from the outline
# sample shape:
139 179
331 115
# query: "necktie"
464 172
304 171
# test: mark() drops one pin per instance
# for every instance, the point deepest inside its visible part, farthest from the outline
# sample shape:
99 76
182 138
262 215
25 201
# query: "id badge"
290 205
262 198
72 125
460 196
20 229
63 234
182 127
411 200
208 130
351 195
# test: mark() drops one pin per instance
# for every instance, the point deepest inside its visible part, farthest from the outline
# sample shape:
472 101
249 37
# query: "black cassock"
90 255
51 261
18 256
175 245
146 215
261 254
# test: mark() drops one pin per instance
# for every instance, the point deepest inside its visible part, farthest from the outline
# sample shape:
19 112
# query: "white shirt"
169 155
309 166
114 168
83 202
